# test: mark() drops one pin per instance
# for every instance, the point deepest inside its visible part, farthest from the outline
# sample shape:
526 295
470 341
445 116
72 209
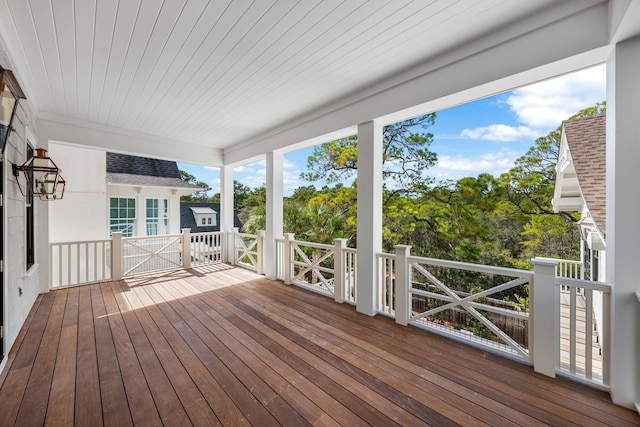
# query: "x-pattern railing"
246 250
471 304
312 266
157 253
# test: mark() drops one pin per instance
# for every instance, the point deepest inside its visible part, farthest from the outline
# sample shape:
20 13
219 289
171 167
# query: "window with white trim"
122 215
157 217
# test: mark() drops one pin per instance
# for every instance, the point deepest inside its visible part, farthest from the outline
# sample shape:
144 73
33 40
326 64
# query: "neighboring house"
110 192
581 186
201 217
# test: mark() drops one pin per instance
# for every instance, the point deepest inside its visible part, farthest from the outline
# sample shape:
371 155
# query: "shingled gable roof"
124 169
586 139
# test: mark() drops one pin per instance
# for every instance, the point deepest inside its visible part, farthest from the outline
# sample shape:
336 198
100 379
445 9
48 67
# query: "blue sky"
486 135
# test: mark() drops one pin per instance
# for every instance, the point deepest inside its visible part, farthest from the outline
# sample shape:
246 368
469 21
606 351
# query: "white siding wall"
21 288
82 213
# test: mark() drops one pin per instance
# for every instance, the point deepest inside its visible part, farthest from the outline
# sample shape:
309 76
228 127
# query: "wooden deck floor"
224 346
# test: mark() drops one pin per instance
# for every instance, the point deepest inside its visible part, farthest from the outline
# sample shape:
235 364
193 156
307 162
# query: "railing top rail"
385 255
158 237
312 244
51 244
559 260
584 284
253 236
351 250
206 232
503 271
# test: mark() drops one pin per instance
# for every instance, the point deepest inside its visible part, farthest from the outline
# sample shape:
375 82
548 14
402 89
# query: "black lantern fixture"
42 176
10 92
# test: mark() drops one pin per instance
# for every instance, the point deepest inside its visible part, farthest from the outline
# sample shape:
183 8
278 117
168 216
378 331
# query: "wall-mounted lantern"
10 92
42 176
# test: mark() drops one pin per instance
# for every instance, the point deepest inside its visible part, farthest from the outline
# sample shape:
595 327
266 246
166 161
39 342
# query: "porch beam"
117 140
623 205
369 223
274 212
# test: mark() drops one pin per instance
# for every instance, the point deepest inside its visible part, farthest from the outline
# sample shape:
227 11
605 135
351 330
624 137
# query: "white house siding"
83 212
21 288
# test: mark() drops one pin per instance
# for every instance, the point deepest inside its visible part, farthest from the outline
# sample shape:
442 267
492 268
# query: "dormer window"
204 216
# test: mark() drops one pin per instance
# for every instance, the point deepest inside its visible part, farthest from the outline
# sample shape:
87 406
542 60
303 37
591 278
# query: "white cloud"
499 132
214 183
456 167
543 106
211 168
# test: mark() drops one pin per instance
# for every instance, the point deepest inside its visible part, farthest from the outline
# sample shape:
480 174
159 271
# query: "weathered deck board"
224 346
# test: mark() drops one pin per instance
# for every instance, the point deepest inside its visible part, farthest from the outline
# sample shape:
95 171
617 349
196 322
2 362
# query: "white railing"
280 259
585 321
312 265
473 303
568 268
248 250
386 280
351 274
141 255
78 263
316 267
206 248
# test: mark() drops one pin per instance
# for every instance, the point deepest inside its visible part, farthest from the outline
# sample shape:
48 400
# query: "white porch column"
623 207
274 217
226 212
369 240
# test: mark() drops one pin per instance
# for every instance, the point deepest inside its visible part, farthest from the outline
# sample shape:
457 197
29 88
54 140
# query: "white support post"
369 223
623 205
544 318
233 243
186 248
274 211
260 250
402 284
338 269
116 255
287 264
226 214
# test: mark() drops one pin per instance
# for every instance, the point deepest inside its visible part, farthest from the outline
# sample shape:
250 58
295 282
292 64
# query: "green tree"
529 190
531 181
198 196
405 156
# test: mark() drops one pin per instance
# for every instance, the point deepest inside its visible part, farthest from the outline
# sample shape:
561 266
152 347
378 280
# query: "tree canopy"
502 221
405 157
198 196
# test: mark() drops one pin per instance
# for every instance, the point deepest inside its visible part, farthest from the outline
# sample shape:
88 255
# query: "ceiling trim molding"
89 134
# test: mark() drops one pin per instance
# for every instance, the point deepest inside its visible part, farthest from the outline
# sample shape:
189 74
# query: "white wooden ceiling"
218 72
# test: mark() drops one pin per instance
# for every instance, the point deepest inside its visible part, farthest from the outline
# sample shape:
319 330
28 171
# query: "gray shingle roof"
586 138
188 221
124 169
124 163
